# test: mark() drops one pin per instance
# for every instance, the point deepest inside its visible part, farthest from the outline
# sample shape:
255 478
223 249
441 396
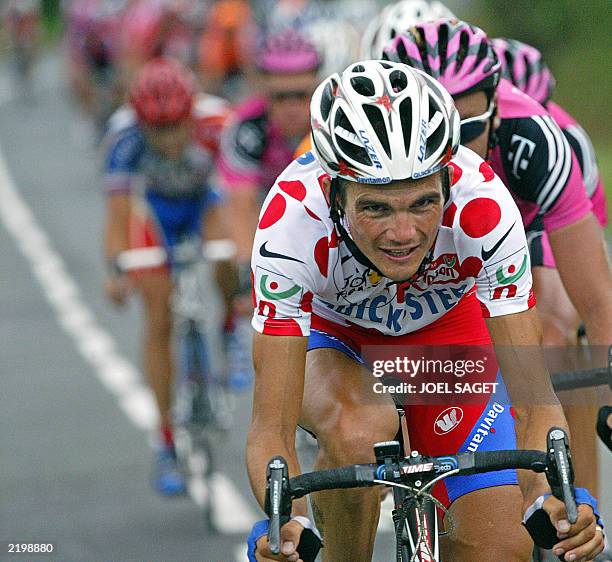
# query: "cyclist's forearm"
261 447
116 231
532 423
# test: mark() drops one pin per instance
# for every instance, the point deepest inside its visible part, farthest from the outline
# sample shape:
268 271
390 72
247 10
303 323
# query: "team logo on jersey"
504 275
357 280
273 288
306 158
520 153
513 274
443 270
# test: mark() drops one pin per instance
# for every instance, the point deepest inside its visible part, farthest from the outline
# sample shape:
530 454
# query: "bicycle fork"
416 527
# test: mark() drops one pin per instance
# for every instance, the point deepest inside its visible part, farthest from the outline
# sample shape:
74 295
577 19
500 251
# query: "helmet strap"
336 212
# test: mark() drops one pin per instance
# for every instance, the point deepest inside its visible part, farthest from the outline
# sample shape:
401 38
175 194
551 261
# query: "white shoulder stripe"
559 167
590 172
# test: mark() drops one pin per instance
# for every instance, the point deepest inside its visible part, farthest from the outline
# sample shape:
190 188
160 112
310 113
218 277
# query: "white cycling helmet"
337 41
396 19
382 121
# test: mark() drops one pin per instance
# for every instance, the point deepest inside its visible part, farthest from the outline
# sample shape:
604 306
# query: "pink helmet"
522 64
459 55
287 52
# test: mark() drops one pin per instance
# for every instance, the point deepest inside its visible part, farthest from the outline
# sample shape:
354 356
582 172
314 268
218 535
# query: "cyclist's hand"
581 541
290 538
117 289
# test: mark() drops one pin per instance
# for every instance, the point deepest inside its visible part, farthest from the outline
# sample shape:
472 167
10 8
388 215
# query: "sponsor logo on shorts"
485 427
448 420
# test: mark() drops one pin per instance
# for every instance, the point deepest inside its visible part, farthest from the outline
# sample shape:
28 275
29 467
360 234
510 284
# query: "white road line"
96 345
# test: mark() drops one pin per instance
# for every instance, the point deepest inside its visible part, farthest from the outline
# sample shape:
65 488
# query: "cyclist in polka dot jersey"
436 256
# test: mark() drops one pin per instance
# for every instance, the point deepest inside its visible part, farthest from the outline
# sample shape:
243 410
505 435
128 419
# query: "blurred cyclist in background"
92 43
398 18
21 20
158 177
153 28
225 48
262 136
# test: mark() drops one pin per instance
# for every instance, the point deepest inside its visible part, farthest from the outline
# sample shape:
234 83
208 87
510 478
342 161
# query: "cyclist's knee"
348 436
476 533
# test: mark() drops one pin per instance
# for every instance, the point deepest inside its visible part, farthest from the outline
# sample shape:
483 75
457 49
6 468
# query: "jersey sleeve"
243 143
123 151
491 244
541 167
283 266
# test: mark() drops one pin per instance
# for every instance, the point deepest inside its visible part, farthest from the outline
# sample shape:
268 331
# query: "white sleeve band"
307 524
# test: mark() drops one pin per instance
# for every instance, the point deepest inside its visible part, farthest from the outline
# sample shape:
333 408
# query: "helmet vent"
358 68
327 99
464 47
348 141
421 44
385 65
363 85
437 130
405 111
377 121
443 47
398 81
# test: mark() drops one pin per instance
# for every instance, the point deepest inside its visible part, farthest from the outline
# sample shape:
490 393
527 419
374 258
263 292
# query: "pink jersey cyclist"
534 159
583 149
253 151
522 64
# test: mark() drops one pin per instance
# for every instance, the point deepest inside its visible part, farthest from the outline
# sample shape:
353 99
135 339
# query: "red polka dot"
306 303
295 189
333 239
486 171
449 215
311 213
492 430
471 266
479 217
457 173
511 269
274 211
274 285
321 254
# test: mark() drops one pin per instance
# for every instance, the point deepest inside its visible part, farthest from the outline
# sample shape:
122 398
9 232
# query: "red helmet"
163 92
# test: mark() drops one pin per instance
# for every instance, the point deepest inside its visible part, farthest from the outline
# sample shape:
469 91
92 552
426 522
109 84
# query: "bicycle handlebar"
156 256
281 490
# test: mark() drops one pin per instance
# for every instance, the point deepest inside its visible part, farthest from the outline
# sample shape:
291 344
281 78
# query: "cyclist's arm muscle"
518 339
116 232
243 207
280 363
583 265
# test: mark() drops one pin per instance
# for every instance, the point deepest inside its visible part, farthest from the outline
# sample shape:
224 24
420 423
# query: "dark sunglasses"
290 95
473 127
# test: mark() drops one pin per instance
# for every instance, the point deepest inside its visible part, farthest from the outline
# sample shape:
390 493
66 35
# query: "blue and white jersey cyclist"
158 178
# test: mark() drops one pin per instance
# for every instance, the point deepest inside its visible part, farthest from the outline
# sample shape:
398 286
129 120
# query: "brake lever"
278 500
559 472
